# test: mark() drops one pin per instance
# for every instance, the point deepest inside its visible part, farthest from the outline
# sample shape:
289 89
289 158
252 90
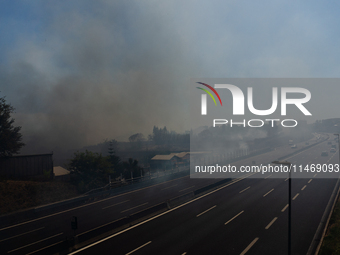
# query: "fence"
26 166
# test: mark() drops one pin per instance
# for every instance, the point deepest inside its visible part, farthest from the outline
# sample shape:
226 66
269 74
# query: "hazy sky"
78 72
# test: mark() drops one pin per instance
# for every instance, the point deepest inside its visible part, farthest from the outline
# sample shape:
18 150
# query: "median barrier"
173 202
101 231
147 213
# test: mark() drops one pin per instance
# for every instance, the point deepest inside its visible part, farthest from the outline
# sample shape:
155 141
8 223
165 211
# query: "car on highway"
293 146
332 150
333 146
324 153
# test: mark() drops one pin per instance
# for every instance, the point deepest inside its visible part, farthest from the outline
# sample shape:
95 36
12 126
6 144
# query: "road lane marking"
271 223
34 243
310 181
184 253
303 187
134 207
244 189
284 208
163 213
286 179
268 176
169 187
314 175
44 248
186 188
233 218
198 215
21 234
268 192
295 196
140 247
249 246
116 204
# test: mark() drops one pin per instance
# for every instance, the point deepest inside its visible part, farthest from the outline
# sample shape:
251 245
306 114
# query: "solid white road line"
115 204
20 234
34 243
140 247
186 188
233 218
268 192
303 187
284 208
271 223
134 207
295 196
244 189
249 246
198 215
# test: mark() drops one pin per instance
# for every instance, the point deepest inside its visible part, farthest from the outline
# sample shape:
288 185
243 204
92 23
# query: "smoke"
108 73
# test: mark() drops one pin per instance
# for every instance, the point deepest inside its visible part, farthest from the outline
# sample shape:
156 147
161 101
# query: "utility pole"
289 204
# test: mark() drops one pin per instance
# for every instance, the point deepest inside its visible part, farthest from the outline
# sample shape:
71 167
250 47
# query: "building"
164 161
39 166
61 174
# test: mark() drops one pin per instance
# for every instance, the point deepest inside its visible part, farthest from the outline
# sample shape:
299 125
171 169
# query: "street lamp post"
289 204
338 144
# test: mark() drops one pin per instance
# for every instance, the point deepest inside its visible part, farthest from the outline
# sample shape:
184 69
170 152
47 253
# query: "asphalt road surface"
244 216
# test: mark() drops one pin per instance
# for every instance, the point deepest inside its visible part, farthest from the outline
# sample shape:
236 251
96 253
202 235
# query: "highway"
244 216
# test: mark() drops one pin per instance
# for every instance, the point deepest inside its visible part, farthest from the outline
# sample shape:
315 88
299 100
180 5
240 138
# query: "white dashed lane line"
249 246
198 215
271 223
244 189
233 218
268 192
284 208
295 196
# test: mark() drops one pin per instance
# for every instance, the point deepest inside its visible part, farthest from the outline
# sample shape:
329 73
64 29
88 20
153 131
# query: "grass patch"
18 195
331 242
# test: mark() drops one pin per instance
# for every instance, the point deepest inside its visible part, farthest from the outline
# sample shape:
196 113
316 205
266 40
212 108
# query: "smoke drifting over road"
82 71
107 73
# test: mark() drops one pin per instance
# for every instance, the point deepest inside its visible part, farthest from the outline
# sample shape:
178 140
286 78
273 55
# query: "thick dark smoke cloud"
108 71
79 72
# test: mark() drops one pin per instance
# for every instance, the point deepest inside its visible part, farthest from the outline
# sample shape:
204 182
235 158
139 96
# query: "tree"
10 137
131 168
90 170
139 137
114 159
